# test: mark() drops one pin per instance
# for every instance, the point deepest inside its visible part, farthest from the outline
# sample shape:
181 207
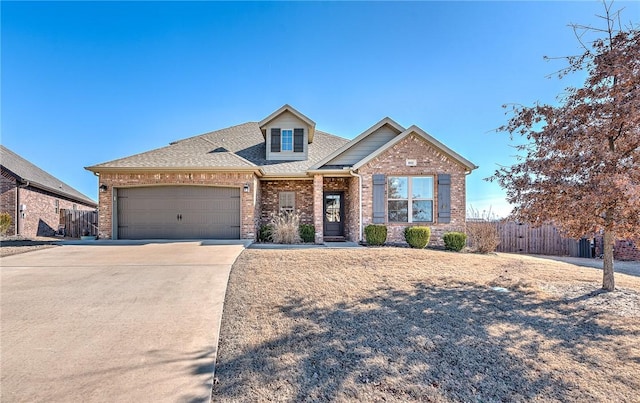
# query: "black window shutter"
444 198
298 140
275 140
379 184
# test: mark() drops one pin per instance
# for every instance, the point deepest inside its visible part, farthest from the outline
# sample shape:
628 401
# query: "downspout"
359 203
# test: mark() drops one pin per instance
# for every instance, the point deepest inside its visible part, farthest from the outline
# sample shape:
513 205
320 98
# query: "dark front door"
334 214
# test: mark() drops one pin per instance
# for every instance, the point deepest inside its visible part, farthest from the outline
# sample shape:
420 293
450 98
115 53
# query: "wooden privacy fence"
75 222
544 240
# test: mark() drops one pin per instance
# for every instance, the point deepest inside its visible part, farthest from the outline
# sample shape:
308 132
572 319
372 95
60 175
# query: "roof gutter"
332 172
97 169
58 192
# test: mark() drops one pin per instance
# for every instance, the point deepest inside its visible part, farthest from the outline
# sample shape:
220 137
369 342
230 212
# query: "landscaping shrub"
285 228
483 236
264 233
307 232
454 241
375 234
5 223
418 236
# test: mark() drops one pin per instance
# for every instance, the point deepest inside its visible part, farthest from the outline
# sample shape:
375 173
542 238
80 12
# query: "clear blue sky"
88 82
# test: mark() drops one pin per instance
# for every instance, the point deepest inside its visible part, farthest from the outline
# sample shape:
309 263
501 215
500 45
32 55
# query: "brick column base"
318 207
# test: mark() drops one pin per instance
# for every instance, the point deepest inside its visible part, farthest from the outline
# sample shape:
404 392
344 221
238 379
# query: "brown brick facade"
8 199
430 161
305 201
249 203
622 249
41 216
271 202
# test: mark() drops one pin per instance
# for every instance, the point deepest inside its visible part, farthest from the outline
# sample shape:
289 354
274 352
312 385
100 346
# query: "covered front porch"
336 207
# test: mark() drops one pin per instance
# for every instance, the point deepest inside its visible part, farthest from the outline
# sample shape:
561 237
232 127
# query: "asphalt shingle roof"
240 146
26 171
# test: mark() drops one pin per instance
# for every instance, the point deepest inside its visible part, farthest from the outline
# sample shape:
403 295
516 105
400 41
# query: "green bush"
375 234
264 234
307 232
5 222
418 236
455 241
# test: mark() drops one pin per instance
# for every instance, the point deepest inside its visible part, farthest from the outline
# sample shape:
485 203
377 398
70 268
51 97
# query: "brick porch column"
318 207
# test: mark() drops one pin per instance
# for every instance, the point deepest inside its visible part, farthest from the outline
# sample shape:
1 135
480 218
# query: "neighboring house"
34 198
226 183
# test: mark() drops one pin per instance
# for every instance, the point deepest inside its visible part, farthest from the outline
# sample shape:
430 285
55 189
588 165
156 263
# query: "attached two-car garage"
178 212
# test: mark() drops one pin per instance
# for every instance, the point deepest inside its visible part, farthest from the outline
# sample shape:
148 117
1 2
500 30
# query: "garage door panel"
178 212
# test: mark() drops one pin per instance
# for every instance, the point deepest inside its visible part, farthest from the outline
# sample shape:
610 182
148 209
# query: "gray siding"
288 120
365 146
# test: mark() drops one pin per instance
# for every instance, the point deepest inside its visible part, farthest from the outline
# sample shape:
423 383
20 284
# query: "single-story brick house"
33 198
226 183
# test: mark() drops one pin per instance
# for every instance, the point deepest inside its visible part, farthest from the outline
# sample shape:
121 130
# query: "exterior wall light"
103 187
245 188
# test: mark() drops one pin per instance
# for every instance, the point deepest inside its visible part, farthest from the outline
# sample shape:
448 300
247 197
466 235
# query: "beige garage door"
178 212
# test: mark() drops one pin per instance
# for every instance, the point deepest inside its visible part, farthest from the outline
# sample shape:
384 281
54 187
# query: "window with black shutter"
275 140
298 140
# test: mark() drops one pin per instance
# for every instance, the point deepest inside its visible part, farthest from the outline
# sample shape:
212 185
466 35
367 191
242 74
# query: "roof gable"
469 166
283 109
334 157
25 171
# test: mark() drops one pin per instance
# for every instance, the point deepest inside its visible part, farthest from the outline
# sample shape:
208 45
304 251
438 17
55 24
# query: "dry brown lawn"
395 324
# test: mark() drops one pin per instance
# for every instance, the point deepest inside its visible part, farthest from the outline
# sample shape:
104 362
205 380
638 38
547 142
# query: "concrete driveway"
112 321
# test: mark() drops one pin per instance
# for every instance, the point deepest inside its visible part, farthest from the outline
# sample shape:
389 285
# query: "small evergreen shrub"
307 232
264 233
5 222
454 241
285 228
418 236
375 234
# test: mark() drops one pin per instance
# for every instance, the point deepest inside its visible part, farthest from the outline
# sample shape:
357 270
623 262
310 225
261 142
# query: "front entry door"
334 214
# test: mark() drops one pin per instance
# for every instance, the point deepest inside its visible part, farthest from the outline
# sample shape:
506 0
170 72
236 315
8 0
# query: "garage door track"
113 322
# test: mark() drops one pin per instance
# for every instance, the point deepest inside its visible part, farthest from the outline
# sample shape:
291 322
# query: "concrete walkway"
331 245
619 266
112 321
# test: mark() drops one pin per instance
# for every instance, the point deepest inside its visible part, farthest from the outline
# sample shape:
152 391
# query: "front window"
287 202
410 198
287 140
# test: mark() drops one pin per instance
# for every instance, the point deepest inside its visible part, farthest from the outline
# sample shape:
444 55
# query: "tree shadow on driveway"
454 341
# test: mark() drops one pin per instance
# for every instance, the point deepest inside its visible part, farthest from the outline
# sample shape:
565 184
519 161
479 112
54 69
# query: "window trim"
282 149
410 199
287 209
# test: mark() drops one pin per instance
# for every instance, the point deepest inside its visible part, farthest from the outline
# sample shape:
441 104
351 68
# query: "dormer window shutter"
275 140
298 140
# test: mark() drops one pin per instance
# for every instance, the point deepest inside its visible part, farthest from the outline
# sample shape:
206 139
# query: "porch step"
334 239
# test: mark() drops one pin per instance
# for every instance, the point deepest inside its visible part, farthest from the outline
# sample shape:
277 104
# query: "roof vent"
219 150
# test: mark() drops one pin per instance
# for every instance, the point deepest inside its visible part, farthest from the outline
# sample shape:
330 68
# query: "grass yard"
395 324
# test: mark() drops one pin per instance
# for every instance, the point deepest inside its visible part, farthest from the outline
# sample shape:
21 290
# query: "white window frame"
285 198
282 149
410 199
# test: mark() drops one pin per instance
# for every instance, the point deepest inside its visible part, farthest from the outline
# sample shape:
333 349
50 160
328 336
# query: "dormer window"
287 140
287 134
